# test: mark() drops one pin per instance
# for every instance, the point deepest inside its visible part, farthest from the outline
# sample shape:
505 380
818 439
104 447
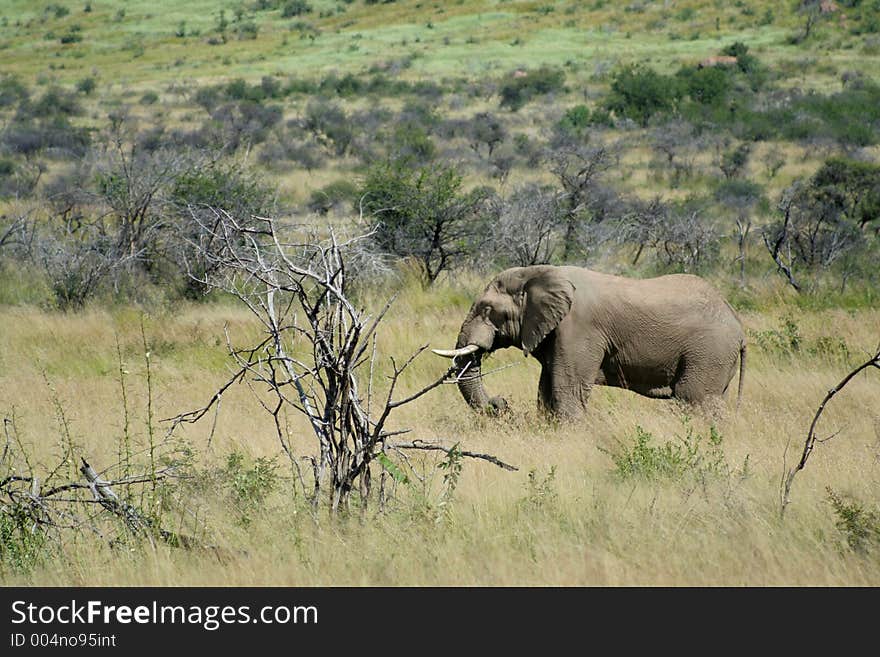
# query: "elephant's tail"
742 373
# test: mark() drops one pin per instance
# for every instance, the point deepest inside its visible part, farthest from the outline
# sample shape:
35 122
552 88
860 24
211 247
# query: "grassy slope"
454 39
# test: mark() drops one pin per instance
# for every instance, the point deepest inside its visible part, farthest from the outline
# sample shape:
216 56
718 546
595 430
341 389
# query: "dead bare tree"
778 244
682 238
812 436
527 229
578 169
318 350
10 232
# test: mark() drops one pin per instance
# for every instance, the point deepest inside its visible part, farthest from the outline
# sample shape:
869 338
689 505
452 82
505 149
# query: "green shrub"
410 141
639 93
786 340
21 544
422 212
249 486
72 36
517 91
86 85
293 8
60 11
149 98
12 90
691 455
706 86
575 120
337 194
858 524
239 89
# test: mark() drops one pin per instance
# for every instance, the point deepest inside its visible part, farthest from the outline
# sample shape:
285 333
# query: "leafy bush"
520 89
86 85
785 340
706 86
859 525
734 162
330 125
411 142
788 341
12 91
485 129
249 486
855 187
639 93
195 195
239 89
53 103
334 196
286 149
293 8
422 212
149 98
28 137
575 121
20 547
692 455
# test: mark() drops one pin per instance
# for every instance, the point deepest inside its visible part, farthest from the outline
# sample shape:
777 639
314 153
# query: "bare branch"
437 447
812 436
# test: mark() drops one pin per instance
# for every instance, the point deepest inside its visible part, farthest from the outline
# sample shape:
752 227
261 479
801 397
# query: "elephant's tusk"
453 353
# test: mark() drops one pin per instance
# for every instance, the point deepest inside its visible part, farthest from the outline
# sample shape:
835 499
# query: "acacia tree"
422 212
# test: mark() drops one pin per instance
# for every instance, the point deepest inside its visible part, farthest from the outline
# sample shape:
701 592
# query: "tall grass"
566 517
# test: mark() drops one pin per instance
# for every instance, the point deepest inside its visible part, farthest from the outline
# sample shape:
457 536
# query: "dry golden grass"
582 525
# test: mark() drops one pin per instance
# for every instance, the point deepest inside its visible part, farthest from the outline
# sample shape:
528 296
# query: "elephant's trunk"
477 337
470 383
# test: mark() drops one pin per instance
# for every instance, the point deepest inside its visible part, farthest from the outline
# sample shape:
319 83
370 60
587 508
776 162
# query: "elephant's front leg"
565 385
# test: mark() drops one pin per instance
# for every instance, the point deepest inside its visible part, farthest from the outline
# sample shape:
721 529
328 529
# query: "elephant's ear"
547 299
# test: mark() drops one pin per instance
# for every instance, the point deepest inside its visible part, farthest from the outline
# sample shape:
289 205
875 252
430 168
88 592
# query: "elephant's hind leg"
703 377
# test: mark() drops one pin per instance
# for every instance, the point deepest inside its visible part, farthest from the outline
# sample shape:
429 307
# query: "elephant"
673 336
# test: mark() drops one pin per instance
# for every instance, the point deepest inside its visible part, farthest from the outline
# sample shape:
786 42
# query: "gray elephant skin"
668 337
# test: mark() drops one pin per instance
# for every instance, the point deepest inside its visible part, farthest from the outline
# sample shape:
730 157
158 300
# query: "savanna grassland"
566 517
518 132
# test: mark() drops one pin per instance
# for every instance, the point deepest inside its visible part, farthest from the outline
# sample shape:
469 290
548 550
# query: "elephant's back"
678 302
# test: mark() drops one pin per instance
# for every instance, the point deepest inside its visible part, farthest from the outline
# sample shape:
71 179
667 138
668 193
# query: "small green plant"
541 491
21 541
830 348
786 340
858 524
693 455
249 486
451 467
